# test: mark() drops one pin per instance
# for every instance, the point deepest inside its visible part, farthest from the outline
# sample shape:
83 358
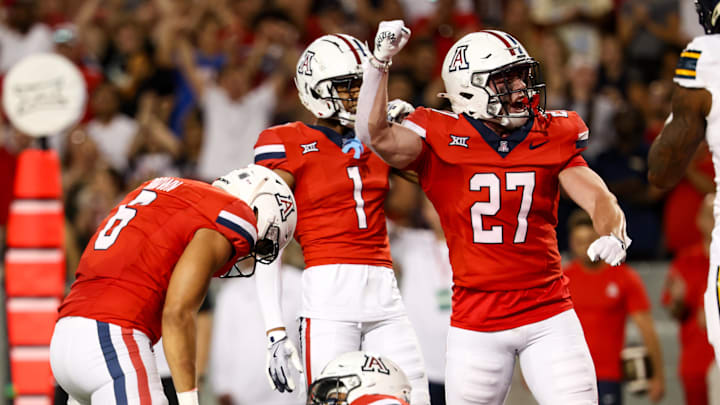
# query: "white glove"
280 349
391 37
608 248
398 109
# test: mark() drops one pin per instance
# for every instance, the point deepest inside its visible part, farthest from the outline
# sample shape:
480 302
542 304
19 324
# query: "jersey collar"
502 146
333 136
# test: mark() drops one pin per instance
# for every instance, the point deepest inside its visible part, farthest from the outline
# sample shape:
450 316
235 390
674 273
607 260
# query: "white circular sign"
44 94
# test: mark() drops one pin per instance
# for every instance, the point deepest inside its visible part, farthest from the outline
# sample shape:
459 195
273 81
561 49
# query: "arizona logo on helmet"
304 68
375 364
459 60
286 205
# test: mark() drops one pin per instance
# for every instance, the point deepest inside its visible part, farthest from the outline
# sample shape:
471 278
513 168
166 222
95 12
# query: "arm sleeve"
268 282
418 122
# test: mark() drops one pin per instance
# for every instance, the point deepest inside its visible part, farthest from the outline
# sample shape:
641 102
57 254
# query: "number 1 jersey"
125 270
340 199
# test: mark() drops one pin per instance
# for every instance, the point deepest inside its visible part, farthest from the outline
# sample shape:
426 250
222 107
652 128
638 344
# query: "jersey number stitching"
354 175
109 234
513 180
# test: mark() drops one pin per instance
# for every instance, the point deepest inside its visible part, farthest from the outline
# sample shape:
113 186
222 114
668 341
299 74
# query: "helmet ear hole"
466 95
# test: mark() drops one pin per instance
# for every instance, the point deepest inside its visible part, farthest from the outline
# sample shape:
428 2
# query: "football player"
493 168
695 118
147 270
360 378
350 296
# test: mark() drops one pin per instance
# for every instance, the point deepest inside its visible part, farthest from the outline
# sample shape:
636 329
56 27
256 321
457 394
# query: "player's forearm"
268 283
666 161
607 216
179 334
396 145
644 322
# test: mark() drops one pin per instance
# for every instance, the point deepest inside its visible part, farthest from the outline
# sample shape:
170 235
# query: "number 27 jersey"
340 199
497 197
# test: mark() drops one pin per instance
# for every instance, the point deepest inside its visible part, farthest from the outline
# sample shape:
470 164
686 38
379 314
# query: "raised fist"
391 37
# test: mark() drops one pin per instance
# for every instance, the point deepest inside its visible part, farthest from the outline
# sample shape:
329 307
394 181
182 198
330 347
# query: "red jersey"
340 199
124 272
378 400
603 299
696 353
497 199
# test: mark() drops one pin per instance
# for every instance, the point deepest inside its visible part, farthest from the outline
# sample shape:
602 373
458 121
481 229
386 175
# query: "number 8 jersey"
497 199
125 270
340 199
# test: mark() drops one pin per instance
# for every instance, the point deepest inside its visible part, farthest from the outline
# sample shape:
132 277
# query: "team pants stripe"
717 288
308 368
113 365
140 372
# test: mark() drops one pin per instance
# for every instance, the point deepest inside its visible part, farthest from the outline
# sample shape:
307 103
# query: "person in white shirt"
234 112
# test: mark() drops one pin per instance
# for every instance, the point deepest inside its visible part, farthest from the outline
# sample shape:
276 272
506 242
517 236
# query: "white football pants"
323 340
554 359
102 363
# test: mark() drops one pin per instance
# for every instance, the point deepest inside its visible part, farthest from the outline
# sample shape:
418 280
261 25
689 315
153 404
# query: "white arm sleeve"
368 91
268 282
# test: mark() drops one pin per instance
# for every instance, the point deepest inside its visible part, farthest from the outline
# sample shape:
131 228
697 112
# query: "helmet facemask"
500 92
343 93
333 390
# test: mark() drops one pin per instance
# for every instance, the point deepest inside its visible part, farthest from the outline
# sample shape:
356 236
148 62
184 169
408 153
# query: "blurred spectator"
421 257
450 21
624 168
111 130
604 297
577 22
683 298
21 33
235 112
553 59
68 44
683 202
645 29
612 74
128 63
596 109
154 150
237 361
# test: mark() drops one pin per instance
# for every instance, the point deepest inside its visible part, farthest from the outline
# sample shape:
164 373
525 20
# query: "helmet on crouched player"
358 376
274 205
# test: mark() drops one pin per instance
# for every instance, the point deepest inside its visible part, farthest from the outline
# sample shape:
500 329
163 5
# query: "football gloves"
281 352
609 248
397 110
391 37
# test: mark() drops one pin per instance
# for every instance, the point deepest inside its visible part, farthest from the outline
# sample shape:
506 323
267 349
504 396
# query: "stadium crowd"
183 88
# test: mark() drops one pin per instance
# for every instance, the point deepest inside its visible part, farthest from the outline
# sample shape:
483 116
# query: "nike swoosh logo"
537 145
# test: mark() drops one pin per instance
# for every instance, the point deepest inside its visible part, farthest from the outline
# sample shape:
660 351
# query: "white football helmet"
330 61
274 205
354 374
477 57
